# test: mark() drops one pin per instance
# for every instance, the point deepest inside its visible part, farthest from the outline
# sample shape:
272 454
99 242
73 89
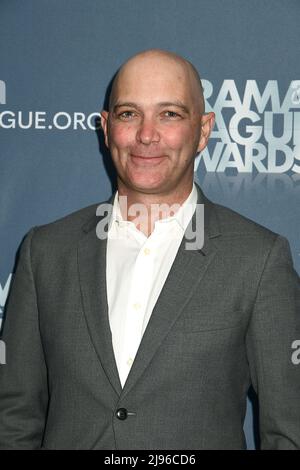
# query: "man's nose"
147 132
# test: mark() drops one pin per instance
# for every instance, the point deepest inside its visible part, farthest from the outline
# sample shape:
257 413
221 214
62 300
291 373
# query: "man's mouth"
147 160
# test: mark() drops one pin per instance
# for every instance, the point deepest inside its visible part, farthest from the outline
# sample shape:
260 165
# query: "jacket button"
121 414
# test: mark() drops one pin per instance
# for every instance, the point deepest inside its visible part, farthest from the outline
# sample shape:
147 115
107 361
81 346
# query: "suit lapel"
92 277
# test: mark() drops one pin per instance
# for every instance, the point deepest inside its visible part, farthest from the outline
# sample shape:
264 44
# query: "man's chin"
146 186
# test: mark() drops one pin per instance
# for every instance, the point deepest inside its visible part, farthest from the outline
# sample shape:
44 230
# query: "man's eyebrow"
176 103
130 104
127 103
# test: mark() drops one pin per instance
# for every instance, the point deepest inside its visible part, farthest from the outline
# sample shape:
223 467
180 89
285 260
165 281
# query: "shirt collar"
182 216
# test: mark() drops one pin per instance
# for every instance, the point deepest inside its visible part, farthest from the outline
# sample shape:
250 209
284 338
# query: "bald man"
123 334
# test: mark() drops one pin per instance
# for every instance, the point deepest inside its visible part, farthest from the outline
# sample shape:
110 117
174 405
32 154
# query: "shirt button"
121 414
129 362
136 306
147 251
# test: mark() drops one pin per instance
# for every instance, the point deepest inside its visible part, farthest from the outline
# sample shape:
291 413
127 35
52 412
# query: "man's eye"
126 115
171 114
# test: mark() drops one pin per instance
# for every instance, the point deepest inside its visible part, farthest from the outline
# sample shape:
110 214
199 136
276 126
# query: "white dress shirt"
136 269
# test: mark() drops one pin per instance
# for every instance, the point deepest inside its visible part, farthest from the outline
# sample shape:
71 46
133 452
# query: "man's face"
154 125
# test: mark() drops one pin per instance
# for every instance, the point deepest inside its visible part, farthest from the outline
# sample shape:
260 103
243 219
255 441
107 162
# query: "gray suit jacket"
226 317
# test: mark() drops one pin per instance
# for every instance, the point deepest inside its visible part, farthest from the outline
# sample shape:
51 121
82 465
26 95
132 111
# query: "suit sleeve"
274 327
23 379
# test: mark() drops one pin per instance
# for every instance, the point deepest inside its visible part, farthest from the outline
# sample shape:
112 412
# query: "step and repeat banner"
57 58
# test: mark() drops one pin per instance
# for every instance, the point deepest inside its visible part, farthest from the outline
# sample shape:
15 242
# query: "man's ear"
207 124
104 120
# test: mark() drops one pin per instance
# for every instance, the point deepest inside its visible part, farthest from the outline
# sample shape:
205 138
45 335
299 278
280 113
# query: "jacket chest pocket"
192 322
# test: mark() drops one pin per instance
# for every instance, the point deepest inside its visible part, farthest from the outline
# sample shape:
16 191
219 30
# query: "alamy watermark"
144 217
296 354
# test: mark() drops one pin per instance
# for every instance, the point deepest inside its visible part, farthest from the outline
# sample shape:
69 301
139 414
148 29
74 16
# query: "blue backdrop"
57 58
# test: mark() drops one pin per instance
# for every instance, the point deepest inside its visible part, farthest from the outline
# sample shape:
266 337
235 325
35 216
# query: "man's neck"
144 209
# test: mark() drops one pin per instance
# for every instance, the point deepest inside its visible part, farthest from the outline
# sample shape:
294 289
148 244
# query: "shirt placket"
137 305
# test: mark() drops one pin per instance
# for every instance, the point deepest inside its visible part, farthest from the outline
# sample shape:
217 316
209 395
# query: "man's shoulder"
235 223
69 228
231 224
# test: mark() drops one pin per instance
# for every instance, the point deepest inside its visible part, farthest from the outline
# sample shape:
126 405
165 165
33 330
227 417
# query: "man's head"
156 124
